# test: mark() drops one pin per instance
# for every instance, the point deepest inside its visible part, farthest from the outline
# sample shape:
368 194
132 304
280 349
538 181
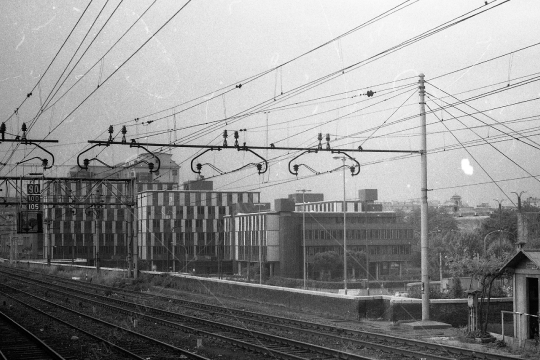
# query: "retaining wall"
349 307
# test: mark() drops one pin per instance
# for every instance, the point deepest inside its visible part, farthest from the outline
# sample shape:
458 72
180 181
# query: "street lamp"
492 232
47 221
183 246
519 198
304 232
343 158
260 241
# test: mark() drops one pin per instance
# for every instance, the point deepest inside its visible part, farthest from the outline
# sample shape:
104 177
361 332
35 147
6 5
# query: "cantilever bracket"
199 165
296 167
150 165
44 162
196 168
355 170
86 161
258 165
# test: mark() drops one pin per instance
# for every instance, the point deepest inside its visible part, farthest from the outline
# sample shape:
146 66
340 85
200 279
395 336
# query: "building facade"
92 212
274 239
182 230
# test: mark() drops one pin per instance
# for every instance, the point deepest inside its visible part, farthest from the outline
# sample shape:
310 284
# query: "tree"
356 262
486 270
329 261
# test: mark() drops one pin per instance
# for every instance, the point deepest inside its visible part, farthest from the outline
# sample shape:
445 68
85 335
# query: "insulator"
236 136
124 131
3 130
86 162
44 162
199 167
352 168
327 137
319 137
151 166
24 127
259 168
111 129
296 167
225 137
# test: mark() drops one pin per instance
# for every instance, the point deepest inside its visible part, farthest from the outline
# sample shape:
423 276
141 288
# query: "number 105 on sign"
33 206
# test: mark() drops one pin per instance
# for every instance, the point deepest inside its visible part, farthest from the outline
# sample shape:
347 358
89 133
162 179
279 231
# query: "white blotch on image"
274 60
20 43
47 23
76 9
467 167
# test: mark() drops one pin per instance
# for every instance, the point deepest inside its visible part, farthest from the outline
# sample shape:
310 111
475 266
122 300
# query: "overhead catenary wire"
474 158
489 143
454 24
56 89
51 62
300 89
120 66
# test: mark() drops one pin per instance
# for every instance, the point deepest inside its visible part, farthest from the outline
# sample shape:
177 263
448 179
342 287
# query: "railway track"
118 342
17 342
353 340
150 320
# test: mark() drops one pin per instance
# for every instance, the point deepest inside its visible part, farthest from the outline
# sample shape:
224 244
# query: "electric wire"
473 157
53 93
52 61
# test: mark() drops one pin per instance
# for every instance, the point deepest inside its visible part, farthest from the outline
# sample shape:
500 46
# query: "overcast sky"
216 65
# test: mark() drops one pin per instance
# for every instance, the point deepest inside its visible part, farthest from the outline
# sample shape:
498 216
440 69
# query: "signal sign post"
30 220
33 198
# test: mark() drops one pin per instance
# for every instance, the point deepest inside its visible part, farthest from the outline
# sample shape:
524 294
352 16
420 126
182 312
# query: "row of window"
185 212
373 249
197 198
360 234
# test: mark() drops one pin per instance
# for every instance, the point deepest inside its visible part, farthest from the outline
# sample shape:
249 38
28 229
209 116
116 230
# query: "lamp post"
260 241
343 158
11 219
175 243
303 191
500 222
492 232
47 221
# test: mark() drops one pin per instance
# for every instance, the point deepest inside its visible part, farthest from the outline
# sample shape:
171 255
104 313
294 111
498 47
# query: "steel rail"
190 355
393 340
9 346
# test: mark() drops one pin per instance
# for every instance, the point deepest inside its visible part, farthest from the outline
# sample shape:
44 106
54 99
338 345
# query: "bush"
456 291
284 282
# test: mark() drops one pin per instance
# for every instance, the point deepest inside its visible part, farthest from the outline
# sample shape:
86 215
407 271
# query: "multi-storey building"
274 239
93 218
183 229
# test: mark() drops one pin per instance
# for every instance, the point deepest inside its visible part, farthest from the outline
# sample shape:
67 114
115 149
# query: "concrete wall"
382 307
293 299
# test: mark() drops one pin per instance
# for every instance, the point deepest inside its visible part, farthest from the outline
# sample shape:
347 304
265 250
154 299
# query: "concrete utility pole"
303 191
134 234
424 205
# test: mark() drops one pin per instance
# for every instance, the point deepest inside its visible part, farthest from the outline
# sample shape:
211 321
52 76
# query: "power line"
50 64
472 156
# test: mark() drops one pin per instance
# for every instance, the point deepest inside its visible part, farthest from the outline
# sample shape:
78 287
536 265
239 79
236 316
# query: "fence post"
502 325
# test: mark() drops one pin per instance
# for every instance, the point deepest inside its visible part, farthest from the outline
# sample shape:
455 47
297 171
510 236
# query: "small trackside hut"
525 266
